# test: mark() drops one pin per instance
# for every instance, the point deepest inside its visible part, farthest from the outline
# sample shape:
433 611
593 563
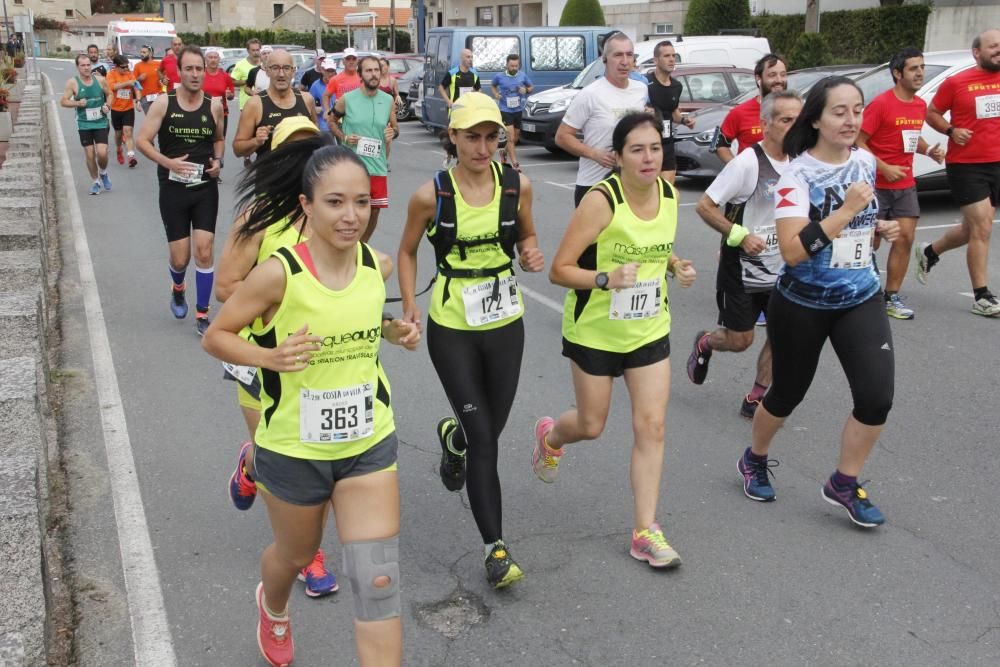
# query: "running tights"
862 340
479 371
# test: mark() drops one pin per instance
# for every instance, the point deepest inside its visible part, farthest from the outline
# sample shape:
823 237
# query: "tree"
582 12
708 17
810 50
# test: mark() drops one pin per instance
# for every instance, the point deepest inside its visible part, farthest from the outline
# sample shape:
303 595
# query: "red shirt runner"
893 129
343 83
973 97
216 85
169 68
743 124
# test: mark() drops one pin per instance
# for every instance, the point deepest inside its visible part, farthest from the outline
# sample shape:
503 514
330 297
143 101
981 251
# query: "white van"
737 50
128 36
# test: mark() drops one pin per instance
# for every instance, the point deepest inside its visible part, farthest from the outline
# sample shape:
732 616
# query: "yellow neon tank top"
624 320
275 237
456 300
339 406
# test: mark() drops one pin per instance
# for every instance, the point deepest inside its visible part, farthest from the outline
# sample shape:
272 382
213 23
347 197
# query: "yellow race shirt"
622 320
339 406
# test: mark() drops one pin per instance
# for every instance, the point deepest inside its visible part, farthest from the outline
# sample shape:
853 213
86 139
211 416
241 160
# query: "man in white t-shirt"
595 112
749 261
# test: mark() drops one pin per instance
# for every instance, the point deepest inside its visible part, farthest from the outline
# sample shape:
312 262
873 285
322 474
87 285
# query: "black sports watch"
950 129
601 280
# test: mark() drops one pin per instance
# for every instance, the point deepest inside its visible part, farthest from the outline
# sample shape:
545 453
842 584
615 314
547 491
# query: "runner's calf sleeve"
203 283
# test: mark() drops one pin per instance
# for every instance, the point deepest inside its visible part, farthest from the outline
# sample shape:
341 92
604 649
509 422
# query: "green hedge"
332 40
708 17
857 36
582 12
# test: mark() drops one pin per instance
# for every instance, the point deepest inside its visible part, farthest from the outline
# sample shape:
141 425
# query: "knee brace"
364 562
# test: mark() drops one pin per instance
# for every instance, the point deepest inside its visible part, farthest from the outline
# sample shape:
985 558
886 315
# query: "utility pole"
319 28
392 25
812 15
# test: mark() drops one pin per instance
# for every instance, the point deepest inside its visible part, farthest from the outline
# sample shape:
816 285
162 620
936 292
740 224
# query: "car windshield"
590 73
132 44
878 81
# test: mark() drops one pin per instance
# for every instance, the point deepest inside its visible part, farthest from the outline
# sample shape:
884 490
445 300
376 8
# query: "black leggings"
862 340
479 371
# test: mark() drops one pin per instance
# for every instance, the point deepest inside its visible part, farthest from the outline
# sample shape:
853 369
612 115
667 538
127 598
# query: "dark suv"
704 85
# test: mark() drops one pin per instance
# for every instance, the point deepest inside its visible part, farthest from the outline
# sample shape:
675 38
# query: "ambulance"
128 36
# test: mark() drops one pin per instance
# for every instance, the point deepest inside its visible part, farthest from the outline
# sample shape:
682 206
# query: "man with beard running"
749 260
147 73
972 164
890 130
187 126
368 125
96 66
262 112
742 123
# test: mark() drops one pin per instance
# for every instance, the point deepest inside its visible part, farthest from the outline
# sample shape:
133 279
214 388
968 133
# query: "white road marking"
568 186
152 644
542 299
968 294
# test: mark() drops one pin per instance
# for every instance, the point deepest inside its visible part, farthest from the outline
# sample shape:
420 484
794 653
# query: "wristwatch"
601 280
951 128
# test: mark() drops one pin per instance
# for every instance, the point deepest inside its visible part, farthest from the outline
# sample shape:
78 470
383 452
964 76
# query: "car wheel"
402 112
555 150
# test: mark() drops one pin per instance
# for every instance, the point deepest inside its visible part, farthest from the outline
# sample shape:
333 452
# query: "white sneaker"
987 306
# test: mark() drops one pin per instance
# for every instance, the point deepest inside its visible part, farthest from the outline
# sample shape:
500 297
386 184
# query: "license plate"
529 127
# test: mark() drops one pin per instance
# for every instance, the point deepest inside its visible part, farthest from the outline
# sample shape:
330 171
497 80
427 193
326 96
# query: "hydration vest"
443 230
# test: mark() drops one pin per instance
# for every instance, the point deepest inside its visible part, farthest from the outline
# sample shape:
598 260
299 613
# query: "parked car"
938 66
692 146
401 63
704 85
550 56
409 89
738 50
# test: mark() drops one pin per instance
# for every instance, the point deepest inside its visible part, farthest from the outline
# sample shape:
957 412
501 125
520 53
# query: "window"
557 53
173 12
279 9
663 28
362 3
707 87
510 14
484 15
184 10
744 82
69 13
18 2
208 11
489 54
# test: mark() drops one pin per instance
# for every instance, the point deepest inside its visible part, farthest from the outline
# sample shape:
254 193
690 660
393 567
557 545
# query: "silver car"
696 156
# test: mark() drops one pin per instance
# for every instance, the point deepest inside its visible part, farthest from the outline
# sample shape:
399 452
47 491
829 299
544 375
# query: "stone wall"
23 397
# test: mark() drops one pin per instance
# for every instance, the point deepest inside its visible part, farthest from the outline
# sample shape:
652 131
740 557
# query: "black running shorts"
183 209
614 364
120 119
738 311
972 182
94 137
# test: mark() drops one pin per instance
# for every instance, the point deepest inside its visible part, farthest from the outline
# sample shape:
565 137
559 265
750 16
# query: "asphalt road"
789 583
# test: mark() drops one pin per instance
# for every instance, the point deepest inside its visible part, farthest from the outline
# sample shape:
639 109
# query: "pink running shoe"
274 635
650 545
319 580
544 459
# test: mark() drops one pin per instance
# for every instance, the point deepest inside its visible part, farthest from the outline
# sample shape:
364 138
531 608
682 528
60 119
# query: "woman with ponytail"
326 433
